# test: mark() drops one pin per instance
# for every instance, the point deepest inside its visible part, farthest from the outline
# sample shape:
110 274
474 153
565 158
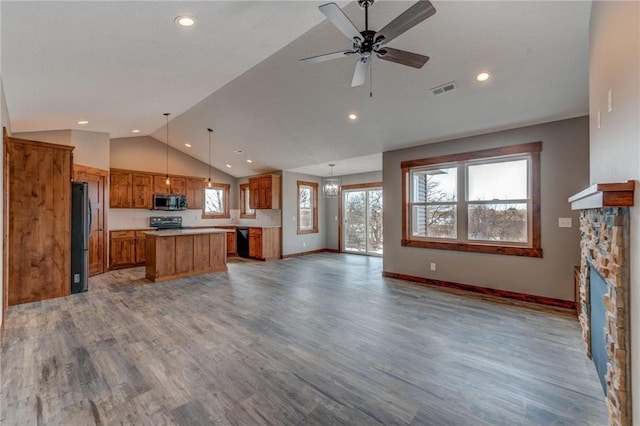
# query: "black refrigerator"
80 229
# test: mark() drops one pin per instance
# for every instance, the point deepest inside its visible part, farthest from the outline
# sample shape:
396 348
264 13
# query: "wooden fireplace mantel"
619 194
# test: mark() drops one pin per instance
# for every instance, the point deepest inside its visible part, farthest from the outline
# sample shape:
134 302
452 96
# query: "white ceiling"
120 65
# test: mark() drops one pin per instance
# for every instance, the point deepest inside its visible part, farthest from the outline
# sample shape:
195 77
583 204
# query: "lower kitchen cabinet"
126 249
264 243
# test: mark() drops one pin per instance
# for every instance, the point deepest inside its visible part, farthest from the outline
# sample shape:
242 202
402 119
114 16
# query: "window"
246 212
485 201
307 207
216 201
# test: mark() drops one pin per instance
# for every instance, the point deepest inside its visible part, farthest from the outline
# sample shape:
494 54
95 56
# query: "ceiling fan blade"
407 20
360 74
337 17
403 57
327 57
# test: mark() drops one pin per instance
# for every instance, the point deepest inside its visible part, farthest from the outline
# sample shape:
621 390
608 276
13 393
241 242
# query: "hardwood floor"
320 339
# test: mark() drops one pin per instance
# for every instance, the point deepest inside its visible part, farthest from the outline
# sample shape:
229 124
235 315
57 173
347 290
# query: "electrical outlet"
610 101
565 222
294 219
433 266
336 218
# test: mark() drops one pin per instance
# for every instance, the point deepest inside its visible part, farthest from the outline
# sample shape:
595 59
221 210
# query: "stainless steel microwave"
169 202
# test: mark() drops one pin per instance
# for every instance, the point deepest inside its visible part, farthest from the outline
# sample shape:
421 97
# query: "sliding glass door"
362 221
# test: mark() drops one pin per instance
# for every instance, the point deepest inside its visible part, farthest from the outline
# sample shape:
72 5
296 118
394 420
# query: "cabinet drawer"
123 234
255 232
140 234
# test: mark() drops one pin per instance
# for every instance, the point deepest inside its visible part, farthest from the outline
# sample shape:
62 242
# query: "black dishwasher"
242 235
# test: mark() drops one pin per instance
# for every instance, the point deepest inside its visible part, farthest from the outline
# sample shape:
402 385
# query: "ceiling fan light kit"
366 43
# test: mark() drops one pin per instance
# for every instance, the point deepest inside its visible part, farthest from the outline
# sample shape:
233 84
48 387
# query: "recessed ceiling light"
483 76
228 165
188 145
185 21
353 117
135 131
83 122
249 161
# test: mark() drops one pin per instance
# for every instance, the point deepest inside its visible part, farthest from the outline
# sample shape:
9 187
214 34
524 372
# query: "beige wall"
564 169
91 148
614 64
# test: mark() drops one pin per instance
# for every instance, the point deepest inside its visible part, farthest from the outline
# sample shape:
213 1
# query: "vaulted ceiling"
121 65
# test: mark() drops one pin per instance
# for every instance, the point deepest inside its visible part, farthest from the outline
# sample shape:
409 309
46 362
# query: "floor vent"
447 87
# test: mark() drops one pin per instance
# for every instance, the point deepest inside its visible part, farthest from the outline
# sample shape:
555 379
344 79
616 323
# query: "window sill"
476 248
247 216
215 216
310 231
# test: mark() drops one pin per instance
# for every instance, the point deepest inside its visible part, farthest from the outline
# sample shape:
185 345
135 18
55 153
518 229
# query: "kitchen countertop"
174 232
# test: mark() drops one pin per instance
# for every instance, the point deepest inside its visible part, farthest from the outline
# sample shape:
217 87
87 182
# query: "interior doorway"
97 180
361 211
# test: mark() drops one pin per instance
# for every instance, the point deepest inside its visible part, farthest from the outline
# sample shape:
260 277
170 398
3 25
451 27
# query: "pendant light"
209 182
331 185
168 181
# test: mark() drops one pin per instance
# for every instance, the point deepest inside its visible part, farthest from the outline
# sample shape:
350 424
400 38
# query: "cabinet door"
265 192
122 252
255 243
120 190
178 185
231 244
195 194
141 257
254 189
142 190
160 185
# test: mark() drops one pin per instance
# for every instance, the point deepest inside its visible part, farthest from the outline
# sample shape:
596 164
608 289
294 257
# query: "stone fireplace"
604 229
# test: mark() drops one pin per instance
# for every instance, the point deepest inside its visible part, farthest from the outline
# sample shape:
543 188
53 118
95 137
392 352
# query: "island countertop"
176 232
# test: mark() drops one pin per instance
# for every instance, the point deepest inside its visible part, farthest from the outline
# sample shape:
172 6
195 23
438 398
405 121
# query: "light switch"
565 222
294 218
609 101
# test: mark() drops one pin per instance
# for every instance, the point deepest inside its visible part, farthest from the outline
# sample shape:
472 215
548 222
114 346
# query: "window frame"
314 216
245 200
225 187
462 243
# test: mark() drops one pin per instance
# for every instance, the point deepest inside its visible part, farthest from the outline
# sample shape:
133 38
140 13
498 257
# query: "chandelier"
331 185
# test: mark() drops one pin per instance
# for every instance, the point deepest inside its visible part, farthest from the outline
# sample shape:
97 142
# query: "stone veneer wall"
605 245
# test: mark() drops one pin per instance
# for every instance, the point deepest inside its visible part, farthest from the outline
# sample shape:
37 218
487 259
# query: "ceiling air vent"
447 87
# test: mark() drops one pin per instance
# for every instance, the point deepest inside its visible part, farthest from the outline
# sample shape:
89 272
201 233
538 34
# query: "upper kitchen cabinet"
120 189
39 212
264 192
160 185
142 197
178 186
195 193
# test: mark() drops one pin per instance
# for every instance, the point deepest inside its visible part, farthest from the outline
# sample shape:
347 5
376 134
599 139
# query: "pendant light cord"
210 131
166 114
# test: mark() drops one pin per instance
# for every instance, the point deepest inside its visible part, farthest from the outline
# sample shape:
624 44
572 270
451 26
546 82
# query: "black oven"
169 202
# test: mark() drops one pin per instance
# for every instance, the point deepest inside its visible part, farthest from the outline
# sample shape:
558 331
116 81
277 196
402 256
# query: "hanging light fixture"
209 182
168 181
331 185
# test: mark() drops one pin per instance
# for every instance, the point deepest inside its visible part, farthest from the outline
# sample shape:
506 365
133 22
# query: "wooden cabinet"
127 248
264 243
265 192
38 247
120 189
142 197
232 246
140 248
122 249
134 190
195 193
160 185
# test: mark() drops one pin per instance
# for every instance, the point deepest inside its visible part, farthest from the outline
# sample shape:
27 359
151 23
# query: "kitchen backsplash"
138 218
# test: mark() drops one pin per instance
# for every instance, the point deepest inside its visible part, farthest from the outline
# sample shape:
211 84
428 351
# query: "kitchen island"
179 253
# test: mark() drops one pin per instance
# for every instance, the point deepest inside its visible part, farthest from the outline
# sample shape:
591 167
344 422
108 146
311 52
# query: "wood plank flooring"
313 340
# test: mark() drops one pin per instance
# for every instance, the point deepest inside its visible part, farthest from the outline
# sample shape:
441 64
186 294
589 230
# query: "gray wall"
564 169
615 147
91 148
147 154
291 241
332 205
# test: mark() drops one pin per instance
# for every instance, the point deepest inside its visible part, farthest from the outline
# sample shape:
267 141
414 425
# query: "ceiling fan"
368 42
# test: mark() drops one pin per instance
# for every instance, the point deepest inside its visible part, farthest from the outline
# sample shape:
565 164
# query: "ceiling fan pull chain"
371 79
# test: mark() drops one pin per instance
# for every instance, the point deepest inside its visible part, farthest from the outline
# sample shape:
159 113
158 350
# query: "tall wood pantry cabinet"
39 220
